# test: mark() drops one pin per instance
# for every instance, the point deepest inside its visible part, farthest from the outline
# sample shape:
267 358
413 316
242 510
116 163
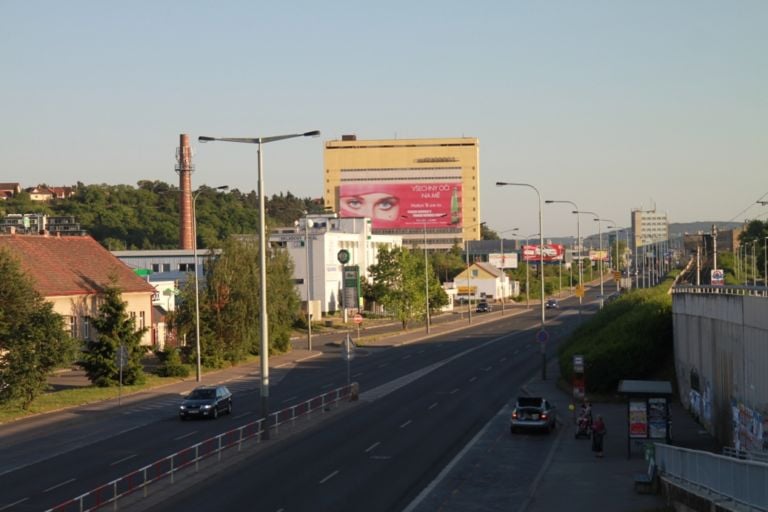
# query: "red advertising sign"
552 252
403 205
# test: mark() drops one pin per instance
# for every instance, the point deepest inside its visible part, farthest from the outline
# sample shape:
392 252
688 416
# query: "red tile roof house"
9 190
71 272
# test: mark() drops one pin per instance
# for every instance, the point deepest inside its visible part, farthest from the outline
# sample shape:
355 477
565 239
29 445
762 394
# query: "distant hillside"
678 228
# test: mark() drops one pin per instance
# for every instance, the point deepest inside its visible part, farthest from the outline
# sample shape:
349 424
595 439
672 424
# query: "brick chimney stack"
184 167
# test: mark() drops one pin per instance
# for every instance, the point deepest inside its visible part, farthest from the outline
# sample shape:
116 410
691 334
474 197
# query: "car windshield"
200 394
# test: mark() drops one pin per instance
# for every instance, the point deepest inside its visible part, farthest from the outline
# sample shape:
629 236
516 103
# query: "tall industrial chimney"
184 167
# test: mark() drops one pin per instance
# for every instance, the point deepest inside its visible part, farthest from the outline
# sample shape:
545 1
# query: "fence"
753 291
744 482
169 466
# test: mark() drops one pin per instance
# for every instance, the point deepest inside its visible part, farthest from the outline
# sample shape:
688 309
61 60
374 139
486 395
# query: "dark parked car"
532 412
206 402
551 304
483 307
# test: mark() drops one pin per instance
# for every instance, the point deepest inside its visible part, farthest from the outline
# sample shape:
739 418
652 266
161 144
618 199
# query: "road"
403 435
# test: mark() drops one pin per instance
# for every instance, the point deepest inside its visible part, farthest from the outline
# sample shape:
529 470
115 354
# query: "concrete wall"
722 341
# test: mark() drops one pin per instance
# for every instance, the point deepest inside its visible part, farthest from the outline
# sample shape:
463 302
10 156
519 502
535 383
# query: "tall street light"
543 334
527 273
308 224
197 284
600 261
613 222
264 331
466 256
503 274
765 262
426 267
578 242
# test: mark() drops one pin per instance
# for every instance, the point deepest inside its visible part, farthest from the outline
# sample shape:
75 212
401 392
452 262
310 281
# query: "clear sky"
612 104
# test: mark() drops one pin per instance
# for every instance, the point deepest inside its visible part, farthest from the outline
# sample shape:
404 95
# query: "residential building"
9 190
38 223
319 239
71 272
482 280
414 188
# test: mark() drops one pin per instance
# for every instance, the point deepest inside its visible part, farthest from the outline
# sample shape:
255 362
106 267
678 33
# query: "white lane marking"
289 399
281 365
434 404
358 374
454 391
406 424
394 385
22 500
407 356
487 368
329 477
420 351
242 415
59 485
502 359
185 435
383 365
380 457
472 379
429 488
326 386
372 447
123 459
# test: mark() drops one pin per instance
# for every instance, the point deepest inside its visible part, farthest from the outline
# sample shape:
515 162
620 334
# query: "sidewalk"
489 474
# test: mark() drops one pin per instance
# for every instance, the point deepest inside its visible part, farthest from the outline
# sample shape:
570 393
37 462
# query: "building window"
142 320
86 327
166 267
155 267
72 326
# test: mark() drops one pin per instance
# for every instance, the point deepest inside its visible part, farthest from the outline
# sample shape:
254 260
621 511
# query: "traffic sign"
616 275
542 336
343 256
580 291
358 319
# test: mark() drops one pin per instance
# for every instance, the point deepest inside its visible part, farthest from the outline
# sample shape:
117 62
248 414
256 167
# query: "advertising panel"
403 205
552 253
597 255
717 277
638 419
506 260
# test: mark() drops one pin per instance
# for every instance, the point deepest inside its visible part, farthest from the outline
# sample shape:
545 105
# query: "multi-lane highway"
420 403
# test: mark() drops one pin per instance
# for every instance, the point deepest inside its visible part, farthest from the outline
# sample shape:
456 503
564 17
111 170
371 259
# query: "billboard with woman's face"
402 205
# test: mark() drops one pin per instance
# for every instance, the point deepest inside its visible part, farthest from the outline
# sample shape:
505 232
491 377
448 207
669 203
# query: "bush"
172 365
629 339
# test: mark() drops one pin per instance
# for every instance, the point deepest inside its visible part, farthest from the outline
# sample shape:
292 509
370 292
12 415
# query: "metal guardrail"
168 466
729 451
753 291
744 482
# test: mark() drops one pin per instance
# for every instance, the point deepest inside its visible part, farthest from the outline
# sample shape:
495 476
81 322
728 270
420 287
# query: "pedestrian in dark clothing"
598 433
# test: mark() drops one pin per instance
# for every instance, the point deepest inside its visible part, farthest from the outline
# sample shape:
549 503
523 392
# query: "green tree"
115 328
398 284
32 338
230 304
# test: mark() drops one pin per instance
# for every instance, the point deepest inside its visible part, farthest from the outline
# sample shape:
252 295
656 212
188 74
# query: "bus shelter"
647 410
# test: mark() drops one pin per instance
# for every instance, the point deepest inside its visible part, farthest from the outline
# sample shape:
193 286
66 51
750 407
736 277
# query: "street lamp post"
308 224
600 260
765 262
543 334
198 365
503 273
527 273
578 242
466 256
264 331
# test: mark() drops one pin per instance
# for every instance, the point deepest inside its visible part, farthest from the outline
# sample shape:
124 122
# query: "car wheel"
229 408
215 412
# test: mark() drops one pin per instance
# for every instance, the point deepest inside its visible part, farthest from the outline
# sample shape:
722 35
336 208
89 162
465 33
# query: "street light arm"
259 140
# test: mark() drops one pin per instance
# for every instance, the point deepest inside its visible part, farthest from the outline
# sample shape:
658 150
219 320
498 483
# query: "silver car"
533 413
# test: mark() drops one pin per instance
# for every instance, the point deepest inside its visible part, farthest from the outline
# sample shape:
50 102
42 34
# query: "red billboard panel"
402 205
552 253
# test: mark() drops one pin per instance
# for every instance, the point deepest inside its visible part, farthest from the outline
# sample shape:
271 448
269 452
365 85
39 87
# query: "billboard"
403 205
596 255
506 260
552 253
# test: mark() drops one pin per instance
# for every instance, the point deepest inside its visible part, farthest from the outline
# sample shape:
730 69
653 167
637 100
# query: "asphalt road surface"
420 403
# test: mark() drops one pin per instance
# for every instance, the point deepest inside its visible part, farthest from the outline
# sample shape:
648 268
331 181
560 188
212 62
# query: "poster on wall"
657 418
597 255
552 253
403 205
638 419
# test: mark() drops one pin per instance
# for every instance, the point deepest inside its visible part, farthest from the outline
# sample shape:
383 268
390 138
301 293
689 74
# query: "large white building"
649 227
314 245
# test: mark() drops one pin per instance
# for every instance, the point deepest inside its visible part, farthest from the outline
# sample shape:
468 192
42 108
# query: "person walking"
598 433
